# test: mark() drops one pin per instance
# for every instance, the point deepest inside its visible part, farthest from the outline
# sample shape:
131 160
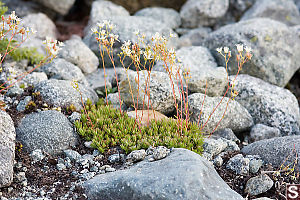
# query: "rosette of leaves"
111 128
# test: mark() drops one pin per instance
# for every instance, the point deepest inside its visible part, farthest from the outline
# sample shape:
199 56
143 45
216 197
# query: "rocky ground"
257 138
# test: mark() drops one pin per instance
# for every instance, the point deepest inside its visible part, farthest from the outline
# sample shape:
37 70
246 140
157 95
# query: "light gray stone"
274 48
202 68
115 158
76 52
194 37
255 163
211 80
160 152
226 133
284 11
60 93
61 69
236 117
268 104
239 164
23 103
259 184
7 149
73 155
37 155
137 155
183 174
196 13
49 131
101 10
75 116
276 150
159 88
40 22
167 16
261 131
60 6
34 78
214 147
96 79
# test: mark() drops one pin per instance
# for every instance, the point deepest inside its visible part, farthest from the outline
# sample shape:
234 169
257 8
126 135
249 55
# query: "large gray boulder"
236 117
274 48
61 93
40 22
50 131
284 11
195 13
181 175
276 151
167 16
268 104
76 52
159 88
7 149
60 6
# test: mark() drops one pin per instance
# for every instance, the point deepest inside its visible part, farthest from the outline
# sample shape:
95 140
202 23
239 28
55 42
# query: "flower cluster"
104 33
240 48
53 46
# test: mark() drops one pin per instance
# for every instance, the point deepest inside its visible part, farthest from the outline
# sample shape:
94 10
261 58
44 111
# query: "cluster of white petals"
53 46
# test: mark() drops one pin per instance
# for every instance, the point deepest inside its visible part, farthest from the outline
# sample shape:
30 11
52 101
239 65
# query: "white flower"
100 25
239 47
33 31
157 36
111 26
172 35
105 22
94 30
13 15
136 32
226 49
61 44
148 55
171 51
248 49
103 32
219 49
127 43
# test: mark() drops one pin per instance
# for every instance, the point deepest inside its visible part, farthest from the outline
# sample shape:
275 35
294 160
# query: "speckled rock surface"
76 52
167 16
63 70
284 11
268 104
182 174
61 93
259 184
275 150
40 22
49 131
236 116
159 87
196 13
7 149
60 6
274 48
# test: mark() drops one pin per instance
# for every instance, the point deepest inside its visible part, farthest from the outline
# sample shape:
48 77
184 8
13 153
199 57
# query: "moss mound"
111 128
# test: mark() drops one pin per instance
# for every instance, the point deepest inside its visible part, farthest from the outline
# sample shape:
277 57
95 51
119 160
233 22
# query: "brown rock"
146 116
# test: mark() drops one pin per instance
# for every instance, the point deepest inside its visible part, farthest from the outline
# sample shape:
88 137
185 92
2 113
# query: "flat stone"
7 149
183 174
